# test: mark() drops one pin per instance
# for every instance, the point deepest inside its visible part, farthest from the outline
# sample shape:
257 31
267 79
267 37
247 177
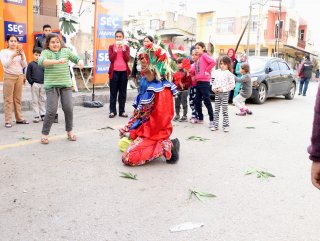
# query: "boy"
182 79
35 76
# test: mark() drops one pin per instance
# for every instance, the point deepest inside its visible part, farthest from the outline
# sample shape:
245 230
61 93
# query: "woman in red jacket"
119 56
150 126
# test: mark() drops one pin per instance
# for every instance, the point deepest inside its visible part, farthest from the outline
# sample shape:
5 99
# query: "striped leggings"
221 100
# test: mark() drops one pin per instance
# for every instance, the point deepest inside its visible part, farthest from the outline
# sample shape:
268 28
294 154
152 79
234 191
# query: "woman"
119 55
150 126
13 61
57 83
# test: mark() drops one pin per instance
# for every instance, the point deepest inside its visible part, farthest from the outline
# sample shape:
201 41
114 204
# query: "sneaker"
211 124
36 119
213 128
242 113
199 121
183 119
249 112
226 129
56 119
193 120
299 93
176 118
174 151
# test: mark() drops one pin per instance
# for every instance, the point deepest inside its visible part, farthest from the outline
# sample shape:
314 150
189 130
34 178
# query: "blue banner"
18 29
108 25
17 2
102 62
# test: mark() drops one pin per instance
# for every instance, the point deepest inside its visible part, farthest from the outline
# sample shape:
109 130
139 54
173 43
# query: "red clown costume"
150 126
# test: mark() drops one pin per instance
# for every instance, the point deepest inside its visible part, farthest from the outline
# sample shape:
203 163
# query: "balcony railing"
301 43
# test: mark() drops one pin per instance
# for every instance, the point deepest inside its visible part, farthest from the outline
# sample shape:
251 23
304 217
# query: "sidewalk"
101 94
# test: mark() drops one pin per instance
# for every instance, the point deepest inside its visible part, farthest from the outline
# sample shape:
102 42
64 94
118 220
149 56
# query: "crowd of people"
161 92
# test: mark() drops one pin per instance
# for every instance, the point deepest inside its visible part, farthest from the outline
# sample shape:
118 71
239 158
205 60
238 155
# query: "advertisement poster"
108 19
17 18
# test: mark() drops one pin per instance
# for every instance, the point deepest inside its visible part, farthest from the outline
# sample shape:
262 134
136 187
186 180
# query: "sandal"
72 137
22 122
112 115
8 125
44 140
123 115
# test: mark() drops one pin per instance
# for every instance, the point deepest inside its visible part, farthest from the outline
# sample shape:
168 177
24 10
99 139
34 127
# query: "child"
245 92
223 83
57 84
193 90
238 74
13 61
182 79
203 69
150 126
35 75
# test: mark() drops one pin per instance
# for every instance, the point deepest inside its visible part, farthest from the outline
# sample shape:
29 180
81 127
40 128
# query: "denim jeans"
304 82
203 92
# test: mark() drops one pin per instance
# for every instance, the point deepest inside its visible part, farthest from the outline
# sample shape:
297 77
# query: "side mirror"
268 70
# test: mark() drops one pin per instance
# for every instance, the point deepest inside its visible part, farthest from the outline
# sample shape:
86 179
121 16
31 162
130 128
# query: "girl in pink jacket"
203 67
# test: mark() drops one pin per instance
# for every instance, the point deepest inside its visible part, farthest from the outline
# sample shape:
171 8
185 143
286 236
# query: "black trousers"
118 85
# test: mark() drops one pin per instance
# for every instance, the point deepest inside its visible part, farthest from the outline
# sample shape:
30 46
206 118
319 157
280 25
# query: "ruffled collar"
147 90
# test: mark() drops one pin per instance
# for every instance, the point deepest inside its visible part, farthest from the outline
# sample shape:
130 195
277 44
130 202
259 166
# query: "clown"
146 136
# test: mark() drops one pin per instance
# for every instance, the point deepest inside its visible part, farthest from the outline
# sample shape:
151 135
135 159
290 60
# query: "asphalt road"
72 190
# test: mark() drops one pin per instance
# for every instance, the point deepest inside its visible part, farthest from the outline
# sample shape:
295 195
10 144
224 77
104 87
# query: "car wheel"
291 93
261 94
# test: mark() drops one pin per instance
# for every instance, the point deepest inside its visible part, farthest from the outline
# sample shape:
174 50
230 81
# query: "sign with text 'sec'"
107 21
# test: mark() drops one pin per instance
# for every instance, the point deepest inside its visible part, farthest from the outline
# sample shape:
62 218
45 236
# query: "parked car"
270 77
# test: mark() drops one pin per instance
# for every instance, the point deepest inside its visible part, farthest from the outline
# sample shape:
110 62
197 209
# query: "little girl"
192 90
246 90
223 83
13 61
203 69
57 84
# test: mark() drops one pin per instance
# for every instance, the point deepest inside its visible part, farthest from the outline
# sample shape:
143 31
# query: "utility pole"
249 28
259 23
278 28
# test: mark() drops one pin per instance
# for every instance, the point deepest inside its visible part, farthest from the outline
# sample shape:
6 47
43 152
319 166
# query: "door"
273 78
286 77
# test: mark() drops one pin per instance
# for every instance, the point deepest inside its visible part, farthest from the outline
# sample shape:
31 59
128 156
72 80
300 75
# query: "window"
292 28
154 24
283 66
254 22
301 34
225 25
274 66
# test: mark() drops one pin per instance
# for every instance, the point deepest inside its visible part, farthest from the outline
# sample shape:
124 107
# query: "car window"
283 66
257 64
274 66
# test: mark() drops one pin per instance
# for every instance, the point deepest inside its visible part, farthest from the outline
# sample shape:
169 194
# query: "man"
305 74
46 30
40 41
314 148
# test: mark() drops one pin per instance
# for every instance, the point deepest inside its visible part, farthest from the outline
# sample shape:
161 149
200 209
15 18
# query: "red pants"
142 151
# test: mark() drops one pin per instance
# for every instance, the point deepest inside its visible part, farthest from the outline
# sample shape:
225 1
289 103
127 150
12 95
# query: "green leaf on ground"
250 127
275 122
25 138
106 128
198 194
260 174
197 138
129 175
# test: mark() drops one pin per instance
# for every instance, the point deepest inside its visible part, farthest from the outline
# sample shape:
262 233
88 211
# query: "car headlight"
254 81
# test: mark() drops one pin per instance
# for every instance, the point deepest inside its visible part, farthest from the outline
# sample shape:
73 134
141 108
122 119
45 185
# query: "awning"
300 50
